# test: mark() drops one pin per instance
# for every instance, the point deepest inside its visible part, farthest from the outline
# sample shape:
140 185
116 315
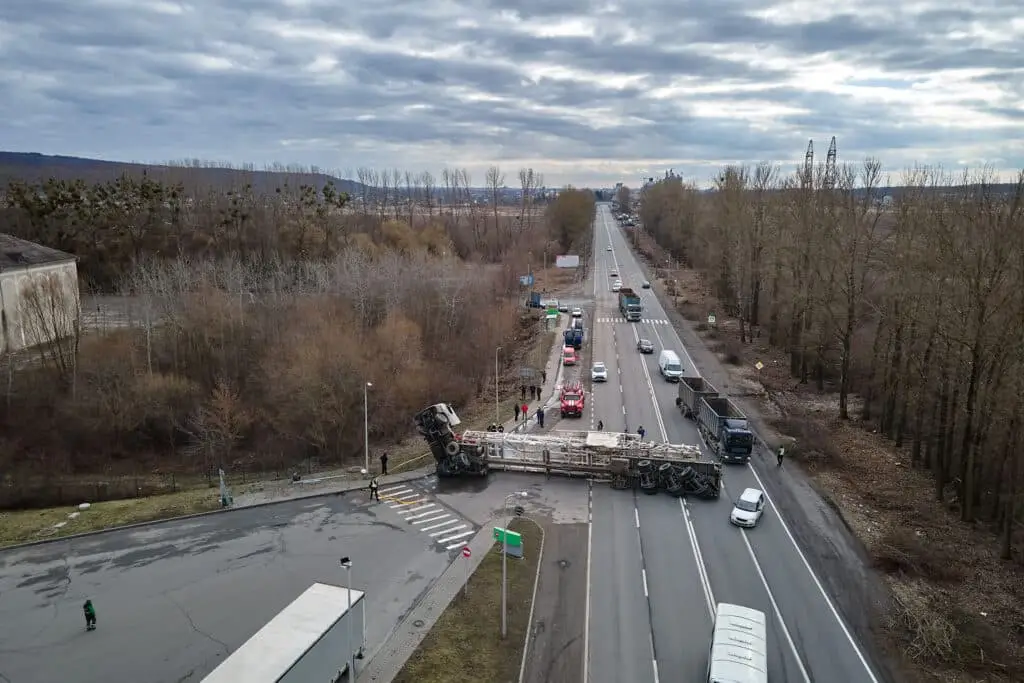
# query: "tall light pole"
497 410
366 426
504 570
351 656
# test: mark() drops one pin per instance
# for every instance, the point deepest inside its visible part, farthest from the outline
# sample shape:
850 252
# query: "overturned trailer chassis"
625 460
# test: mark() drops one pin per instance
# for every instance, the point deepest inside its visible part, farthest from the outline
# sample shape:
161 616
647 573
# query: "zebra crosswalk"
645 320
444 527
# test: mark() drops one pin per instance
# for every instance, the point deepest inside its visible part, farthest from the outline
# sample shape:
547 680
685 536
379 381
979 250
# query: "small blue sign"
526 280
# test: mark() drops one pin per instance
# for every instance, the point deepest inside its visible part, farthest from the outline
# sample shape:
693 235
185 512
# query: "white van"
739 649
671 368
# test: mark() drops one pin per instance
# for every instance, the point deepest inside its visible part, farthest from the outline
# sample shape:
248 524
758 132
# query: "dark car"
645 346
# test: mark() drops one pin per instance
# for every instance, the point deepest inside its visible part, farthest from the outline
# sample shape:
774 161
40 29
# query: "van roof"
669 353
750 494
739 646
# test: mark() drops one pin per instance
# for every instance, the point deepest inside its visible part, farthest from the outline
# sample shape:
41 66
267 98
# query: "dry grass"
465 645
957 610
21 526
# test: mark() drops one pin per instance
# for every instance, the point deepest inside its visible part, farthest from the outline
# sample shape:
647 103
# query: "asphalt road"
658 565
173 599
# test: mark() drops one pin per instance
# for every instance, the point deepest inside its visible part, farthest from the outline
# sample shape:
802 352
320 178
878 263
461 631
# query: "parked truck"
723 426
629 305
574 337
315 638
691 391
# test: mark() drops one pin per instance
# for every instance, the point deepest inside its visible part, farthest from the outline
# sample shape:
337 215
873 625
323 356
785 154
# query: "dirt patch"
465 645
31 525
956 611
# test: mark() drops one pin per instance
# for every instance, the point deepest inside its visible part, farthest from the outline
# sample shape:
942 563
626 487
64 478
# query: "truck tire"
452 448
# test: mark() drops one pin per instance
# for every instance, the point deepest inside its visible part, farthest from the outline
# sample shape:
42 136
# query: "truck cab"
572 400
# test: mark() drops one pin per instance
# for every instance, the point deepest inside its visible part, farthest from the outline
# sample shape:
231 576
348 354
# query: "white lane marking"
397 490
817 582
586 608
455 537
702 570
449 528
655 670
441 524
643 574
436 517
636 516
775 608
419 509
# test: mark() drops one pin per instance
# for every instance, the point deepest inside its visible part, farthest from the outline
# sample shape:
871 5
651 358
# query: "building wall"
39 304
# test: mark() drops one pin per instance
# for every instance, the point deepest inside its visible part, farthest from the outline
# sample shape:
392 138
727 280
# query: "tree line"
910 305
245 350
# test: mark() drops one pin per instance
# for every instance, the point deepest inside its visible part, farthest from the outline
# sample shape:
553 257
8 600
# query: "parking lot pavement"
172 599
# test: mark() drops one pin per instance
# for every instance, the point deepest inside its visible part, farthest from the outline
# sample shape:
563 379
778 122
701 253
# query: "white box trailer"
739 646
312 640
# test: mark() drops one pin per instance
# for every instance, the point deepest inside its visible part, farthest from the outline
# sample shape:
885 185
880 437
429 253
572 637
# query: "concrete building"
39 299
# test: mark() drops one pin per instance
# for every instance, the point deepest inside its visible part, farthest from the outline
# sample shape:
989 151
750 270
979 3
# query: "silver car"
598 372
645 346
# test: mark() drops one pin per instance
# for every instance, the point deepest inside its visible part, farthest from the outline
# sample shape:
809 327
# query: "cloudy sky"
584 91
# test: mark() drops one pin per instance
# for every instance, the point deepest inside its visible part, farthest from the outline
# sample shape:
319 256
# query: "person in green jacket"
90 615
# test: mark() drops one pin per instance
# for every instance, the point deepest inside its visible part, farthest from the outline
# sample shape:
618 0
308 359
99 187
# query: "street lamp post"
366 426
504 567
497 410
351 656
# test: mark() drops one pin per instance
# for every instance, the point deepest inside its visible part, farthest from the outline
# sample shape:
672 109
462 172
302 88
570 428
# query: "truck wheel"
452 448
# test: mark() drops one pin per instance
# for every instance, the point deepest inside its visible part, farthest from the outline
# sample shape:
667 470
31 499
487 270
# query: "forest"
259 317
908 307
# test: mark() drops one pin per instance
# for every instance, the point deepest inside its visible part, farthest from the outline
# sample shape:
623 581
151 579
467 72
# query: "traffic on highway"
659 565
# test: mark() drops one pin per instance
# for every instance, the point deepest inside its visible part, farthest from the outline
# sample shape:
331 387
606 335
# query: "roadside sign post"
511 542
711 318
466 554
759 365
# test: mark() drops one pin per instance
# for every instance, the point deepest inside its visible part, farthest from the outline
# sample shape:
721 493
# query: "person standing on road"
525 409
540 418
641 431
600 425
781 454
536 391
384 464
90 615
522 392
543 376
517 413
374 490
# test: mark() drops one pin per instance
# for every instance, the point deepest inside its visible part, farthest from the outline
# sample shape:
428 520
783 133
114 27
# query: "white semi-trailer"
313 639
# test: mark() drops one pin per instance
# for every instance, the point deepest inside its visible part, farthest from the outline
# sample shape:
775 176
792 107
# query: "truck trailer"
691 391
723 426
315 638
629 305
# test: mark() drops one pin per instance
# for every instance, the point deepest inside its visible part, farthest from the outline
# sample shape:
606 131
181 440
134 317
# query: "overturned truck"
624 460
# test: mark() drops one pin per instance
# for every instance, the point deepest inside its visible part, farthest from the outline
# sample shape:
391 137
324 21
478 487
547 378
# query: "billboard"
567 261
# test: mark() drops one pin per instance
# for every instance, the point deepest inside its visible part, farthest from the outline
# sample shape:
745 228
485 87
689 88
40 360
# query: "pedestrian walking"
600 425
533 392
536 390
526 411
90 615
540 417
374 490
544 376
781 455
522 392
517 413
384 463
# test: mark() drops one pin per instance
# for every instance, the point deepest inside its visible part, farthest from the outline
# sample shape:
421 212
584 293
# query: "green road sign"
506 537
552 311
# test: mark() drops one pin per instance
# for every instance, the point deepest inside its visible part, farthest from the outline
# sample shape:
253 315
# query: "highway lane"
761 568
618 629
173 599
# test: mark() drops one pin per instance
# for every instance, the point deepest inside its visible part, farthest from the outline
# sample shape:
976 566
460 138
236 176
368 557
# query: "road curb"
344 488
533 602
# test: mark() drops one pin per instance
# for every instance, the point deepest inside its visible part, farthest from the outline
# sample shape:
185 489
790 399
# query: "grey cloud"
108 66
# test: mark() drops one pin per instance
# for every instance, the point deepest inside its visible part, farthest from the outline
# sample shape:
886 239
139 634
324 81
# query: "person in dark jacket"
383 463
374 490
540 418
90 615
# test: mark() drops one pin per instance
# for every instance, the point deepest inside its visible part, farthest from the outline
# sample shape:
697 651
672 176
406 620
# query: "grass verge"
19 526
465 645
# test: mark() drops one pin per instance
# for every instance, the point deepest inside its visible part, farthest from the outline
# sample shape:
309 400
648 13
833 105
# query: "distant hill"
36 167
